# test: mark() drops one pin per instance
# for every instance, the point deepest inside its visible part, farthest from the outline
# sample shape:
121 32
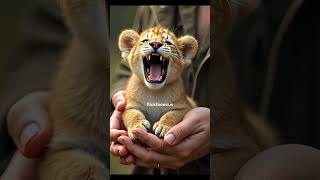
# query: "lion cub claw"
144 124
160 129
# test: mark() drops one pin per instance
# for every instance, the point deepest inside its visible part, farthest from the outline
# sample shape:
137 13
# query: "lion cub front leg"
134 119
167 121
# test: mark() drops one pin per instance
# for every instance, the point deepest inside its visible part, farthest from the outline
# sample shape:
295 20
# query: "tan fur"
78 106
138 95
76 165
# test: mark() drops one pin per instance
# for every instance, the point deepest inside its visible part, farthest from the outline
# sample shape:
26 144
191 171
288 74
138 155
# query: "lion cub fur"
78 104
139 93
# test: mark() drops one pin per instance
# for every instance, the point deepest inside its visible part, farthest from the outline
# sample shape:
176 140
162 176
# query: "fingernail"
169 138
28 132
135 132
121 140
121 153
118 104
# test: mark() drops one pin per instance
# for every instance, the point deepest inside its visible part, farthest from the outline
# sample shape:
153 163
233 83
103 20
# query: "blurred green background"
121 17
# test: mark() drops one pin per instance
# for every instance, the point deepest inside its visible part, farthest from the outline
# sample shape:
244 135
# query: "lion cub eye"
169 43
145 40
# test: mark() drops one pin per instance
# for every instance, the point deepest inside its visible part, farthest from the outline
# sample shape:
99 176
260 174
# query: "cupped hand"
187 141
30 128
117 129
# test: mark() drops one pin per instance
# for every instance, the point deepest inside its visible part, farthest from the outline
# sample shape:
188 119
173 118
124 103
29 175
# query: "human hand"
30 128
187 141
116 129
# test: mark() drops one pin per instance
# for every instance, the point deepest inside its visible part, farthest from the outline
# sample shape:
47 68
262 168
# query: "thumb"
119 100
34 146
31 135
29 127
180 131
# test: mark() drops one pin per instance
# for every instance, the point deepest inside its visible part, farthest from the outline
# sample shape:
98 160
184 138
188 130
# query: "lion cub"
78 105
155 92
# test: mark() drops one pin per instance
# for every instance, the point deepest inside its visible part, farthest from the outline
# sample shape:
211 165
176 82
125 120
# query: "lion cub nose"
155 45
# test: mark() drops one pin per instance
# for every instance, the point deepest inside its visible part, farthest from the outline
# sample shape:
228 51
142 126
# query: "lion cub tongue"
155 72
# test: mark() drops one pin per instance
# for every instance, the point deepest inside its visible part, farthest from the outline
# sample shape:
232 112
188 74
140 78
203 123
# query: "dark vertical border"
109 110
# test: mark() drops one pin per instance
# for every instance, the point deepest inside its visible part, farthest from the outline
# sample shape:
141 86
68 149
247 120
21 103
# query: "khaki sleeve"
41 38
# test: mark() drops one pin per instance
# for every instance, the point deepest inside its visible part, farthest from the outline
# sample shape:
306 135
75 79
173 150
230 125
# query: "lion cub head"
156 56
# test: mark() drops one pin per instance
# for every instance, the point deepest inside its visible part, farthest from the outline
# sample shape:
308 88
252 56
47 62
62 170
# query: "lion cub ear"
189 46
127 39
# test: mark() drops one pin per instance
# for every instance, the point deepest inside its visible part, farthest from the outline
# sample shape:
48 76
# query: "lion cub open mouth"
155 68
156 58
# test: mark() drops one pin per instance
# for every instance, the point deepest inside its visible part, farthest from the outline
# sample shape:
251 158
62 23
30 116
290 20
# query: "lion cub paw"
145 125
160 129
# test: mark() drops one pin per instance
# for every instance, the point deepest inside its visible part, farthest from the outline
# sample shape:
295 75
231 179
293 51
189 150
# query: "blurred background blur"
10 14
121 17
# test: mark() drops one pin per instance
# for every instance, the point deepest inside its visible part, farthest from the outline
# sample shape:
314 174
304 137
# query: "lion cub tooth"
149 57
160 77
160 58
